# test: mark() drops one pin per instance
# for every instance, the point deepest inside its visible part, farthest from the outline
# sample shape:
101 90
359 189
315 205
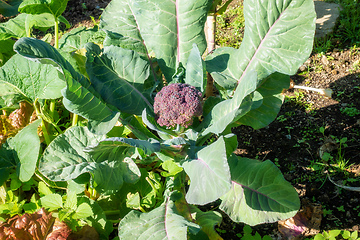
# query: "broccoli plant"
177 104
131 152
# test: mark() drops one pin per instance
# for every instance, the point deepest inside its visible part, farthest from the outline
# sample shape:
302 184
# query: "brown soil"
293 140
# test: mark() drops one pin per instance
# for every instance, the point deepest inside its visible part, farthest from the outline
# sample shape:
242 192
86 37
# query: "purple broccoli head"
177 103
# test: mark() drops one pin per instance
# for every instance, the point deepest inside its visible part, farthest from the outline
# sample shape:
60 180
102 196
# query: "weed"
326 212
281 118
349 27
341 209
334 234
299 99
247 235
350 111
322 45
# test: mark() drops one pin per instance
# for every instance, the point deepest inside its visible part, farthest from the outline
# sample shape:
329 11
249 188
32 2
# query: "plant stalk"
43 124
210 27
326 92
51 113
56 45
75 119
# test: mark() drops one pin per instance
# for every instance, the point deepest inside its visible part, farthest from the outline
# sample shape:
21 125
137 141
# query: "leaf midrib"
259 47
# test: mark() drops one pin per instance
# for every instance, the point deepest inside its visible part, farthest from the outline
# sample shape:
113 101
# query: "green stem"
52 108
210 27
67 214
51 113
75 119
56 45
158 192
37 174
45 132
43 124
142 209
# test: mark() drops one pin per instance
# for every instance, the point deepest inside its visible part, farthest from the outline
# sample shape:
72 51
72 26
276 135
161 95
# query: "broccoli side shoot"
177 103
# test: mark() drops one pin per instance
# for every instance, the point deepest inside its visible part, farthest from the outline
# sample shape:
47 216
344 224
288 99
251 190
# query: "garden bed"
313 139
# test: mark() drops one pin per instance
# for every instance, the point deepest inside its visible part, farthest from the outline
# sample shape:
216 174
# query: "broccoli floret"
177 103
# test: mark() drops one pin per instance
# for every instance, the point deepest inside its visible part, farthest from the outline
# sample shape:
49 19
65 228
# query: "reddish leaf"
60 231
34 226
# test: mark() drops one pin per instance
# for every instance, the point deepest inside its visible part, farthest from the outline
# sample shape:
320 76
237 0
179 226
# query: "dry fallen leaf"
328 146
306 222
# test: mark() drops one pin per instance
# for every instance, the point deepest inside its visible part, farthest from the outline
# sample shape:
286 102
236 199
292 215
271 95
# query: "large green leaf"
9 8
84 102
110 144
21 25
271 92
73 43
278 38
259 193
195 70
79 96
65 159
207 220
225 112
77 38
166 30
161 223
44 21
98 219
119 76
17 153
54 7
29 80
14 28
209 174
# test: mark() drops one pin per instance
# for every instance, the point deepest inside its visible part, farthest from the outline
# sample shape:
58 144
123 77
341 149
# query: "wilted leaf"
21 117
6 129
306 222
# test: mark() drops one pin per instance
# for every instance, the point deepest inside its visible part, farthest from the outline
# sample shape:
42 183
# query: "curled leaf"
21 117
